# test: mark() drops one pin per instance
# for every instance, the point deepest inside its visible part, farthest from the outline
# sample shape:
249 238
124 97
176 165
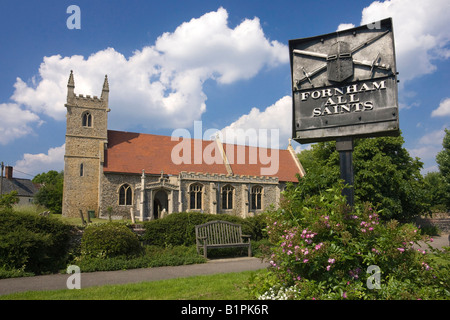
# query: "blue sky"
224 63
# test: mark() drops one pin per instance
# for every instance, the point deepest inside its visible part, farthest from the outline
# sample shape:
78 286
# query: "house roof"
24 187
129 152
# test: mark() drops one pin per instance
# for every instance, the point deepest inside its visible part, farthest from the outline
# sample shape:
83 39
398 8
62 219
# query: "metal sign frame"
344 84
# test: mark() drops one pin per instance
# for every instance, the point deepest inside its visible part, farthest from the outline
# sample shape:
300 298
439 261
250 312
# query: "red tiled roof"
129 152
260 160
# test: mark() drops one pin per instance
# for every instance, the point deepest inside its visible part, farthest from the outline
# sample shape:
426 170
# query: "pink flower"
305 260
427 267
344 295
328 268
331 261
401 249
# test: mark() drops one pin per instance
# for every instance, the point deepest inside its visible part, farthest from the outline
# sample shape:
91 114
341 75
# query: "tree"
8 200
385 175
436 188
443 161
51 191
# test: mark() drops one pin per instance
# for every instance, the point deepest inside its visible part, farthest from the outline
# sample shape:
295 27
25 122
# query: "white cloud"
428 145
38 163
273 126
420 30
425 152
443 109
159 86
15 122
210 47
344 26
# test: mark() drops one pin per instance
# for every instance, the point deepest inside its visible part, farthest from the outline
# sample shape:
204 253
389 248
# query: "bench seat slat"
220 234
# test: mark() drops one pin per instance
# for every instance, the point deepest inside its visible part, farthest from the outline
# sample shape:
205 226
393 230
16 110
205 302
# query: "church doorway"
160 204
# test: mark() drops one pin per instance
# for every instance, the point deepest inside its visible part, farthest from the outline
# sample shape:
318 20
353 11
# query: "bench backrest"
219 232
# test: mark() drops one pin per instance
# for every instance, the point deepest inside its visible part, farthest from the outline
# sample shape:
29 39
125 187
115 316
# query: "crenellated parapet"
230 178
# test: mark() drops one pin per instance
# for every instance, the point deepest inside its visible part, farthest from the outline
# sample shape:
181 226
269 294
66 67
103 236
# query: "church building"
150 176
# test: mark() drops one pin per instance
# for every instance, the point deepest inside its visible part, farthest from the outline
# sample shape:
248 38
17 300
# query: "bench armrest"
201 240
246 236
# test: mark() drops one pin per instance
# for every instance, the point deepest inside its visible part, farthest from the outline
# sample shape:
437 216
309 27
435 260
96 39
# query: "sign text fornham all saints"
344 84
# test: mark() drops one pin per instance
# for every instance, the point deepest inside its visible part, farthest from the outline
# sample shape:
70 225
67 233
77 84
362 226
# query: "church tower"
86 136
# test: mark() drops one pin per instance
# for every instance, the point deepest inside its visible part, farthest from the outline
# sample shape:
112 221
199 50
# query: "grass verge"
229 286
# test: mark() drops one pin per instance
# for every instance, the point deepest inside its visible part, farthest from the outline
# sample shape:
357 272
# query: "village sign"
344 84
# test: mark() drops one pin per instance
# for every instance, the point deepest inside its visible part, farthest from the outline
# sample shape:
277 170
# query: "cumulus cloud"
159 86
41 162
271 127
428 146
16 122
443 109
344 26
420 30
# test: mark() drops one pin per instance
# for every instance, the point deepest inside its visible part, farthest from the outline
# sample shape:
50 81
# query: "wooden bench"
220 234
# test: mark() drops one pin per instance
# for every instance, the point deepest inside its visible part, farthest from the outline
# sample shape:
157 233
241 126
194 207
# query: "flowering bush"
322 249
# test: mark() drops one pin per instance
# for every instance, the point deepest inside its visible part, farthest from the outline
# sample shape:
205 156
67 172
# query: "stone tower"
86 136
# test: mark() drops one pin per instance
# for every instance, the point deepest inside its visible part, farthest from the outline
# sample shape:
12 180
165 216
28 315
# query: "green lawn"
229 286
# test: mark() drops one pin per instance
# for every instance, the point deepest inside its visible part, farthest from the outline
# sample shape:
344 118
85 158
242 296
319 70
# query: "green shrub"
32 243
109 240
178 229
14 273
323 249
152 257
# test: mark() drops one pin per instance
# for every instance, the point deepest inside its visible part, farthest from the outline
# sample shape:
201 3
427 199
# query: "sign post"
345 148
344 86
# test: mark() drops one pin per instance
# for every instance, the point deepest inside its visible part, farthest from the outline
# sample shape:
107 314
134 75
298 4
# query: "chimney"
8 172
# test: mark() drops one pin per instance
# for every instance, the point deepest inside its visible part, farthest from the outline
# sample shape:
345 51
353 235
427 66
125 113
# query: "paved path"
88 279
438 242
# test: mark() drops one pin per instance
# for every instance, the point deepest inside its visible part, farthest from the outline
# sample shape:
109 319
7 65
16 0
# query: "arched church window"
125 195
227 197
87 119
195 191
256 197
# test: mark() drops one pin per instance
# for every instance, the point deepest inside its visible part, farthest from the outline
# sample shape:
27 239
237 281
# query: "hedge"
33 243
179 228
